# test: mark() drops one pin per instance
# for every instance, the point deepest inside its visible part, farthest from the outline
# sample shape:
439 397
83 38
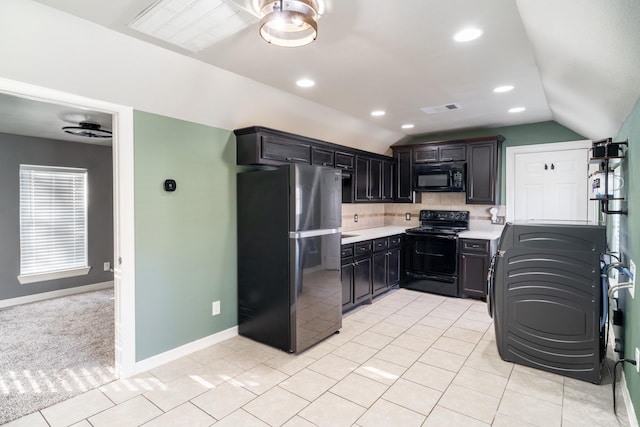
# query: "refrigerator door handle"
313 233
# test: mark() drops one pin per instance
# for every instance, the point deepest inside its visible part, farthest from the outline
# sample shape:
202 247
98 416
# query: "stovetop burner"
442 222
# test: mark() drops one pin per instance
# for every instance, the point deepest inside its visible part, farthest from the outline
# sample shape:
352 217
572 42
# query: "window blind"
53 219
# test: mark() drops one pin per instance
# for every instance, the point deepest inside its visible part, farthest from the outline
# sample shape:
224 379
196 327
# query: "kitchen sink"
346 236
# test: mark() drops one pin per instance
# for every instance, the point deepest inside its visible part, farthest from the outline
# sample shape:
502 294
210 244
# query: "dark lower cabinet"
386 263
347 283
475 257
356 274
369 268
362 281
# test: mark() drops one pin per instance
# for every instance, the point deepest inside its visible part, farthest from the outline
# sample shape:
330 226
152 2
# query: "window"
53 223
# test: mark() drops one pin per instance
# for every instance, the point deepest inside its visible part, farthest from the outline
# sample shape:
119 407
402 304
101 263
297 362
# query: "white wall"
46 47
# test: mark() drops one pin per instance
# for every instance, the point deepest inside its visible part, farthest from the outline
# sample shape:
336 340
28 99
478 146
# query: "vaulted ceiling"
572 61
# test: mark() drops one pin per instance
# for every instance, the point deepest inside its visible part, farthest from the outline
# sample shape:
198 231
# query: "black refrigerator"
547 298
289 286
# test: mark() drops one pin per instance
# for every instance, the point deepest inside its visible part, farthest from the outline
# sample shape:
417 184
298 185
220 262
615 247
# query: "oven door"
431 255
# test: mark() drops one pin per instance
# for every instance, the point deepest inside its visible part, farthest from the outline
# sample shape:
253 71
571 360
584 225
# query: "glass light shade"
292 26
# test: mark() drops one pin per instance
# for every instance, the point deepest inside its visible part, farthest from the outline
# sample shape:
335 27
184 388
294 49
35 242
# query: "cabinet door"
388 169
375 180
345 161
275 148
473 274
393 267
482 173
347 283
322 156
362 280
379 278
404 174
452 153
425 154
361 180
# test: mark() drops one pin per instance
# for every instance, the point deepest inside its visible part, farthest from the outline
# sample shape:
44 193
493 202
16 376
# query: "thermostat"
169 185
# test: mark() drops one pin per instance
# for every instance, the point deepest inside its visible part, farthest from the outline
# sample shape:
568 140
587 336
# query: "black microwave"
445 177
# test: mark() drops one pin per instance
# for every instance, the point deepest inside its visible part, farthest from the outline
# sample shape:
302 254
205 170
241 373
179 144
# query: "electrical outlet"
107 266
637 359
355 218
215 308
407 216
632 280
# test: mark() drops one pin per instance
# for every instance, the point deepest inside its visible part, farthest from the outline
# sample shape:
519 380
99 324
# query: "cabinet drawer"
344 161
363 248
346 251
477 246
394 241
380 244
287 151
321 156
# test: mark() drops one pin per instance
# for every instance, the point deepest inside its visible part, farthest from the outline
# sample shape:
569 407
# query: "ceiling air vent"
442 108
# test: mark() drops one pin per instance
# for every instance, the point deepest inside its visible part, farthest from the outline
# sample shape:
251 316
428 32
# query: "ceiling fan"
87 130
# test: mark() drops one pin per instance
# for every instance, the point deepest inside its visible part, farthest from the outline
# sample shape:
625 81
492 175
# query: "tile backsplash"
378 215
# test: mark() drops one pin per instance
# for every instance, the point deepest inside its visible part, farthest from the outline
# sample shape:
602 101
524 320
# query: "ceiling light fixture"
467 34
88 130
516 109
305 83
289 23
502 89
407 126
378 113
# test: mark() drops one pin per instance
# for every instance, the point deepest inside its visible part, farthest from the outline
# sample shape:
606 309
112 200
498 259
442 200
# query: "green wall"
534 133
630 247
185 241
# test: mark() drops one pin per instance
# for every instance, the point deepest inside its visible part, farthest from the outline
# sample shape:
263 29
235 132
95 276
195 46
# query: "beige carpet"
53 350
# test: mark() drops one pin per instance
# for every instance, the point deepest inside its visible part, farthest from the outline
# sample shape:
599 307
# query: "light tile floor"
409 359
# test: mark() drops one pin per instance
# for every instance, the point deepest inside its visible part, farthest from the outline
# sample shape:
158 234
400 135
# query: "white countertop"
390 230
372 233
481 234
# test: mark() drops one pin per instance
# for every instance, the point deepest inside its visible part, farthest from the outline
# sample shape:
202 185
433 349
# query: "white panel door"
551 185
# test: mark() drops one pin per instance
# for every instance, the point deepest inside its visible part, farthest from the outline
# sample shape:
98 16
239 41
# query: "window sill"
41 277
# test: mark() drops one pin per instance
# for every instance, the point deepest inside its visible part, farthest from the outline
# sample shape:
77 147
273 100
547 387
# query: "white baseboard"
55 294
631 413
184 350
624 390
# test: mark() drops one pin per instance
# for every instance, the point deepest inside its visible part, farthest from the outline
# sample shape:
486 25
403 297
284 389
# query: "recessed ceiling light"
306 83
378 113
516 109
407 126
467 34
501 89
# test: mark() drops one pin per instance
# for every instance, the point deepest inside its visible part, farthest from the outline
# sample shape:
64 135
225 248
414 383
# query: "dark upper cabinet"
483 178
452 153
345 161
482 156
440 153
425 154
388 175
403 184
375 180
361 180
322 156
